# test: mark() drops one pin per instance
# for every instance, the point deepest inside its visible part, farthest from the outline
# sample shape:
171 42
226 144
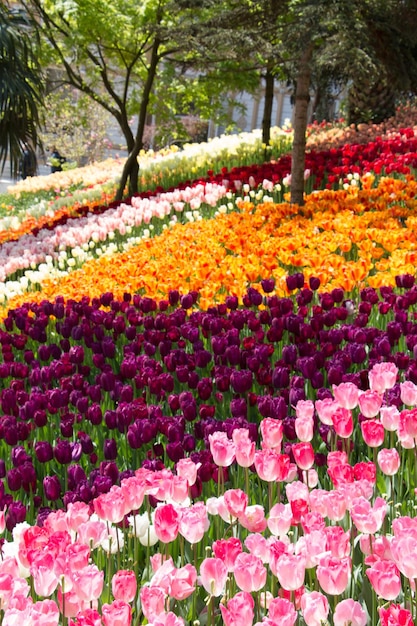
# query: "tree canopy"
135 59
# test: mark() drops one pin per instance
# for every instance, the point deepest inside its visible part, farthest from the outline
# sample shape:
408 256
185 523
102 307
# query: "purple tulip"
173 297
175 451
110 469
110 449
14 479
52 487
268 284
44 452
16 514
255 298
405 281
295 281
241 381
63 452
76 475
94 414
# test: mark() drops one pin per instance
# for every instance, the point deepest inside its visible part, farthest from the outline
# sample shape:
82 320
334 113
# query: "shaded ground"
6 181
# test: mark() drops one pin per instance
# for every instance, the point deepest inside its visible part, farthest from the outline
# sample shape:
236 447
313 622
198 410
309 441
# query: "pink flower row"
31 250
255 550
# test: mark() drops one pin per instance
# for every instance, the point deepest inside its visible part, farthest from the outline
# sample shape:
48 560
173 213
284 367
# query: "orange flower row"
347 238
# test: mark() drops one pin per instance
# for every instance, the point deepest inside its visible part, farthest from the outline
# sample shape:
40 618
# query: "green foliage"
76 125
20 86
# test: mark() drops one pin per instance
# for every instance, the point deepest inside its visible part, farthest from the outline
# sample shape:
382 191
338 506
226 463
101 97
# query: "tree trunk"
130 171
301 101
268 103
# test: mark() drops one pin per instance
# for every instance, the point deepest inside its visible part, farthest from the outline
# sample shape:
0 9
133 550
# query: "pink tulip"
162 578
373 433
314 608
217 506
388 461
194 522
342 422
333 574
166 522
227 550
167 619
9 565
111 506
303 454
304 409
222 449
239 610
271 432
395 615
405 438
69 603
336 505
357 489
297 491
349 613
118 613
312 521
270 465
341 474
365 470
325 410
337 457
236 501
347 395
385 579
159 560
253 519
183 582
366 518
390 417
281 611
280 518
133 490
382 376
213 575
276 549
43 613
290 570
77 513
337 541
318 501
88 617
152 600
250 573
179 489
259 546
304 428
408 393
312 545
409 419
124 585
376 548
45 580
404 552
245 447
16 616
92 533
186 468
88 583
370 403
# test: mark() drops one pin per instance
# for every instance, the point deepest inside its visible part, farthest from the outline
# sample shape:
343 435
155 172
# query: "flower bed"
213 421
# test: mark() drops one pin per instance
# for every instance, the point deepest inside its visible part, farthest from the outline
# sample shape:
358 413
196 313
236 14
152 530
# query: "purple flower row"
93 389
